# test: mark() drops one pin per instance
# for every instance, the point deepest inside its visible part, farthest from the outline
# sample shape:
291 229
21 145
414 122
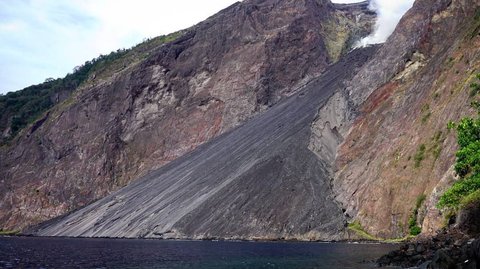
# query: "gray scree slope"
258 181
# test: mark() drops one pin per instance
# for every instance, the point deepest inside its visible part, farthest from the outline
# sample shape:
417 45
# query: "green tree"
467 165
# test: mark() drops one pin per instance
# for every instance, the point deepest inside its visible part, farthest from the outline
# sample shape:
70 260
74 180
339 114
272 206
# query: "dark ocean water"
30 252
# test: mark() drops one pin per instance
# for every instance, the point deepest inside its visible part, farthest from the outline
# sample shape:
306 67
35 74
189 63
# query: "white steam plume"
389 14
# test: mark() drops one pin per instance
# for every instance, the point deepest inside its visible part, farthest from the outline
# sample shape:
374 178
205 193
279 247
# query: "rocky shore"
449 249
457 246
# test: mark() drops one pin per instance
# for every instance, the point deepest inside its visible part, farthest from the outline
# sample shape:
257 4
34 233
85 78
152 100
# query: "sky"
42 39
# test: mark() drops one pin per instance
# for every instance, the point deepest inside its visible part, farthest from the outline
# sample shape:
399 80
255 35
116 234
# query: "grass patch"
425 108
471 199
426 113
413 226
131 56
437 141
360 231
474 89
420 199
450 62
419 155
7 232
398 240
426 117
436 152
451 125
476 25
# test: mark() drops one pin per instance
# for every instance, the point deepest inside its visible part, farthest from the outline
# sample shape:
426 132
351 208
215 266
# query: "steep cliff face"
117 127
394 147
259 181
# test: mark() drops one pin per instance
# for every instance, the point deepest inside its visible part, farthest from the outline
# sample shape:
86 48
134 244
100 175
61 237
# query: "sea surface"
33 252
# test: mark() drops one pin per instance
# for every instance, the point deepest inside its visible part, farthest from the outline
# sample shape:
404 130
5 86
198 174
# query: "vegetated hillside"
20 108
396 159
126 121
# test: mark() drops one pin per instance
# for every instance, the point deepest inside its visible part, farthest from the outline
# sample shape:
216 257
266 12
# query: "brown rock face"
214 77
398 147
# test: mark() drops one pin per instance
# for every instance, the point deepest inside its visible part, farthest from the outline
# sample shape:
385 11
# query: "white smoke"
389 13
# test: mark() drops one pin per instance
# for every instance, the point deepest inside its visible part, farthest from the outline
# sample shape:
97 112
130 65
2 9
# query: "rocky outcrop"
215 76
389 61
393 144
446 250
457 246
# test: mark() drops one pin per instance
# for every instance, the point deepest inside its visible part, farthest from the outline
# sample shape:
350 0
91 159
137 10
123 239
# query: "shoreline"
365 242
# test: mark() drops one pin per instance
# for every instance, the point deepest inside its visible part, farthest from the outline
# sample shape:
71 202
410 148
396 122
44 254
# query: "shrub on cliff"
462 189
414 228
467 165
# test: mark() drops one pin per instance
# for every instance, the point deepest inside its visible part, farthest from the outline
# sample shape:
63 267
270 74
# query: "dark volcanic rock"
439 252
453 247
259 181
469 219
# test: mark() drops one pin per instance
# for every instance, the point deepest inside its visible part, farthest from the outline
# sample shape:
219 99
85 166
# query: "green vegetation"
106 69
454 197
414 228
451 125
467 166
450 62
434 147
419 156
436 152
358 229
437 140
6 232
18 109
476 25
425 108
426 117
474 89
426 113
420 199
471 199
